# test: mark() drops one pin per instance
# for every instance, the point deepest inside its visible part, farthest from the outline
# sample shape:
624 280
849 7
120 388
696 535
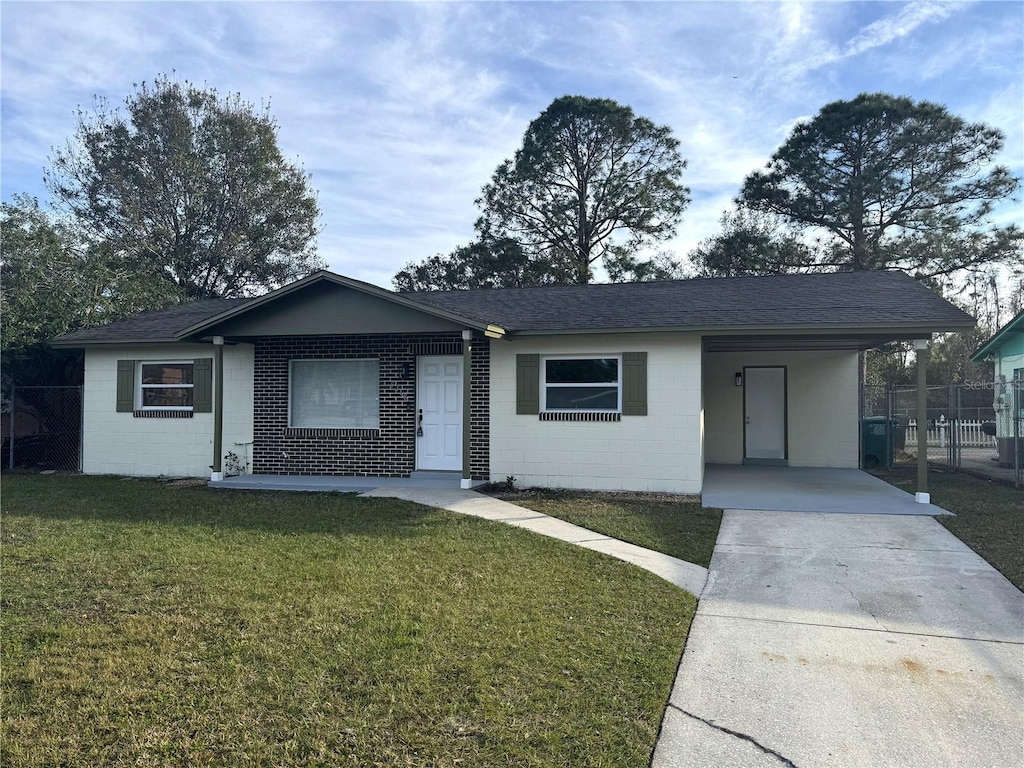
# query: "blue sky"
401 111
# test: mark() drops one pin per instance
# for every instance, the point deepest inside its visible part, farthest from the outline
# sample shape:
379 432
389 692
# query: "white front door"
764 411
439 413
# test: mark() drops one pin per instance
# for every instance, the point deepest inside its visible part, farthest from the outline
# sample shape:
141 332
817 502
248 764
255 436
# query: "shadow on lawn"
152 501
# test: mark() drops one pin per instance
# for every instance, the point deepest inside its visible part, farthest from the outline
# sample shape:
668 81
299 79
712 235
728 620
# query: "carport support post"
922 496
467 376
218 408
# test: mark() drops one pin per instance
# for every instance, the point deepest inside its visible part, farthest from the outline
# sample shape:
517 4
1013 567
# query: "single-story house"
632 386
1006 351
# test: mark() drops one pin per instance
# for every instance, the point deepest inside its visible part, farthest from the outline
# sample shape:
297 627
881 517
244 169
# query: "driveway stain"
915 669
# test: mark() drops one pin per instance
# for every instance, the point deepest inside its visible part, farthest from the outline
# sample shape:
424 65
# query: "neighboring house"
1006 351
630 386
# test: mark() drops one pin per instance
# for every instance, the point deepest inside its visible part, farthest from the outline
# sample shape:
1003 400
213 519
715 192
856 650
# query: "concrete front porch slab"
342 484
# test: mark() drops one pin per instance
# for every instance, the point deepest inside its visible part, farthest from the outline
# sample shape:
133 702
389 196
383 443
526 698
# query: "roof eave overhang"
1015 326
197 330
82 344
897 331
983 353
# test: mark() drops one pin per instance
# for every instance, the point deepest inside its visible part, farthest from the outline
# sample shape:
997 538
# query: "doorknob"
419 425
746 420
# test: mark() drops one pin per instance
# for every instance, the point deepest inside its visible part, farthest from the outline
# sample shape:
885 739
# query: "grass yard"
676 526
989 515
151 625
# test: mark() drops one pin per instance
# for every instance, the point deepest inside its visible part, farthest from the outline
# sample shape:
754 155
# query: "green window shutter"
125 386
202 385
528 384
634 383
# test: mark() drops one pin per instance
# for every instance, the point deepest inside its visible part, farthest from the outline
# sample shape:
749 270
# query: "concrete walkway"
688 576
848 640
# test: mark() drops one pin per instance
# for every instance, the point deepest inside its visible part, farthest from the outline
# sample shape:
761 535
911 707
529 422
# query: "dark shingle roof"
159 325
847 299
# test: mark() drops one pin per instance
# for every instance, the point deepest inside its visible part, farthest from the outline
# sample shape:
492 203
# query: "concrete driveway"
848 640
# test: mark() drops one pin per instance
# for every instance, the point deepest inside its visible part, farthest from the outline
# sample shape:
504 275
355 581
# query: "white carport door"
764 411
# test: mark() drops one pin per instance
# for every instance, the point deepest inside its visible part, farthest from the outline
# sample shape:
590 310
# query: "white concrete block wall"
657 452
822 398
119 443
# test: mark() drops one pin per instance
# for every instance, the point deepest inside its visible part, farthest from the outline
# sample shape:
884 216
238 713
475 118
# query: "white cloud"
402 111
904 23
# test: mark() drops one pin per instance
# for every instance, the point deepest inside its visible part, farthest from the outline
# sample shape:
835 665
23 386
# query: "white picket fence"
939 434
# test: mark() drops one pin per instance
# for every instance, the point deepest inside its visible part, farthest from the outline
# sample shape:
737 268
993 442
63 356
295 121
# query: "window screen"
342 394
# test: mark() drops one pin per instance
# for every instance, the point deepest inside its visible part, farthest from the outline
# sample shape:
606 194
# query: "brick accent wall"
389 451
480 410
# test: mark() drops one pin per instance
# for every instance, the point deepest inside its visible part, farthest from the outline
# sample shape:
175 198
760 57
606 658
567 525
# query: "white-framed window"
165 385
583 383
338 394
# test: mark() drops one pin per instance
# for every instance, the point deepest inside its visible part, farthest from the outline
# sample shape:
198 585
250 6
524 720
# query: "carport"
790 398
806 489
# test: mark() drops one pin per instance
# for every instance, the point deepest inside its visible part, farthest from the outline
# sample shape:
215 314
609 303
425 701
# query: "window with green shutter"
582 387
165 387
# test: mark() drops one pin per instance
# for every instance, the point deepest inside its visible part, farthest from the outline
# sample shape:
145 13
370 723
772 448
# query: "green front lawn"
676 526
148 625
989 515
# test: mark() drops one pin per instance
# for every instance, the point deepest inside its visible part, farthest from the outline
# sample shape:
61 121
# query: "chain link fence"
42 429
974 427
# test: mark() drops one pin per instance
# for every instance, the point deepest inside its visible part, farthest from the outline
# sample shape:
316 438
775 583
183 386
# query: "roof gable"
1012 332
325 308
337 305
322 303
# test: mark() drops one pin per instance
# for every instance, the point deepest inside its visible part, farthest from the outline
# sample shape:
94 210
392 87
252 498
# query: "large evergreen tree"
891 183
591 184
590 180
